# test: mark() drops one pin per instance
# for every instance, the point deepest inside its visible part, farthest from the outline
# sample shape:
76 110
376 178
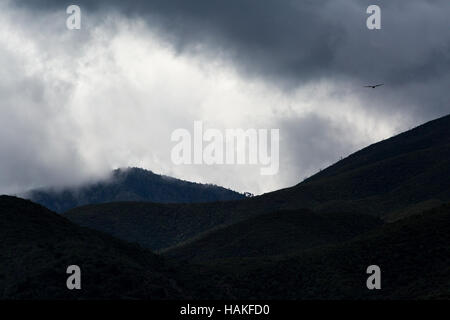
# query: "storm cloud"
295 65
290 42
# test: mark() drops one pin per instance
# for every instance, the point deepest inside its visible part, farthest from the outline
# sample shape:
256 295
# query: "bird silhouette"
374 86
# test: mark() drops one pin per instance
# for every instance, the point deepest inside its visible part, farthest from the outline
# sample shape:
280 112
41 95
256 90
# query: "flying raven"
373 87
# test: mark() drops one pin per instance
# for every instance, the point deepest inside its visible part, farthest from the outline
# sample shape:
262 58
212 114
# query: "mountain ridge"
389 186
37 245
131 184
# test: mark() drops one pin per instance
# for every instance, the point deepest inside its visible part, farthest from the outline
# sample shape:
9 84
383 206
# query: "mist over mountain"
400 176
131 184
385 179
321 108
386 205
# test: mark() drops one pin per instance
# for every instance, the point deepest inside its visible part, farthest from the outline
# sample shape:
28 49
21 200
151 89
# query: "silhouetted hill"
37 246
153 225
391 179
132 184
406 170
413 254
274 234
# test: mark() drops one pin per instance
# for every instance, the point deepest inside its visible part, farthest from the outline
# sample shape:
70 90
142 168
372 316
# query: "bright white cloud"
75 105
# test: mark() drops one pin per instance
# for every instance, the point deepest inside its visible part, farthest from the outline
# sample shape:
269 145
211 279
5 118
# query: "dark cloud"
287 44
291 42
312 143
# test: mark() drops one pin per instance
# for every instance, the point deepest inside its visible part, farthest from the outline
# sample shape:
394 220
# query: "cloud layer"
76 103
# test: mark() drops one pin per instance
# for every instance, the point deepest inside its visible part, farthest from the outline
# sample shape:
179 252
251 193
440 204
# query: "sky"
75 104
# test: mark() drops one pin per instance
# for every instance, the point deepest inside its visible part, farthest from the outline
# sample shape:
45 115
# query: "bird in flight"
374 86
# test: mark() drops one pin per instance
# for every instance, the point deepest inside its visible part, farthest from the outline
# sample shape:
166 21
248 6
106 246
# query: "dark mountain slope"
37 246
435 133
378 188
407 169
388 179
413 254
132 184
275 233
155 226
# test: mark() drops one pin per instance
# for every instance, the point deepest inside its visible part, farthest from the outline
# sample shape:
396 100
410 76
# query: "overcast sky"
76 103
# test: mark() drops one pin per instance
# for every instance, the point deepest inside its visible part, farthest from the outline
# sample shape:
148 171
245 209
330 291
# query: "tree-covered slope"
37 246
275 233
413 254
390 179
132 184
